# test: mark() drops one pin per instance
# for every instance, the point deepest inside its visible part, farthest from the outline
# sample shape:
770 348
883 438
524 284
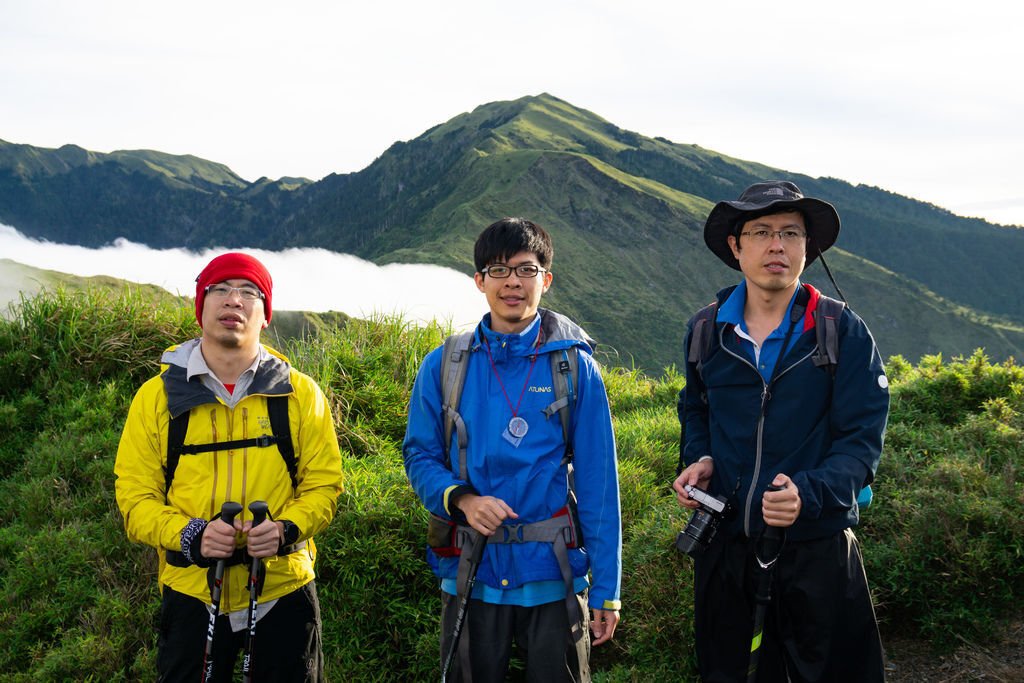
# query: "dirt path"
998 661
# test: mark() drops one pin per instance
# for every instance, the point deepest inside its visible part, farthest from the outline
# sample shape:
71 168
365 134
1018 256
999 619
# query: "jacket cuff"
291 532
597 603
453 494
192 540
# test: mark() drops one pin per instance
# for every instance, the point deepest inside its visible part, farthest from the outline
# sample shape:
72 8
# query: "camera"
695 538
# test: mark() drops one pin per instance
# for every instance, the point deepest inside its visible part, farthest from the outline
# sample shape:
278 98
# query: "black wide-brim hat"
773 196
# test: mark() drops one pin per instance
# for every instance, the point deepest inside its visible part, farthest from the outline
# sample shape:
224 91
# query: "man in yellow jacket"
227 395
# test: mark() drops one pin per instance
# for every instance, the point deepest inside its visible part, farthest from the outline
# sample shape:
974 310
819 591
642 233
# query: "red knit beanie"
233 266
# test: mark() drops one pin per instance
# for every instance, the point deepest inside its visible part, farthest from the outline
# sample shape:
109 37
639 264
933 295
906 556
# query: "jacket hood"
273 378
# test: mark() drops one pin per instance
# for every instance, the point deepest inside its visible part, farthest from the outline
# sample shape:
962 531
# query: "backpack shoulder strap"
826 329
703 325
565 377
176 430
277 407
454 363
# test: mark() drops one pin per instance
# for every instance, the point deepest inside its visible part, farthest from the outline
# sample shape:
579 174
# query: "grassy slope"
181 171
78 597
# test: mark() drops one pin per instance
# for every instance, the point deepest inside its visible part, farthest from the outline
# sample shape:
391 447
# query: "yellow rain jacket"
203 482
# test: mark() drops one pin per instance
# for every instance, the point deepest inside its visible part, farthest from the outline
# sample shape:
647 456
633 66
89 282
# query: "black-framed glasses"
765 236
222 291
524 270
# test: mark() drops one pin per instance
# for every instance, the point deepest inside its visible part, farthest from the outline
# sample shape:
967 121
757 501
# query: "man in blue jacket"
758 411
516 476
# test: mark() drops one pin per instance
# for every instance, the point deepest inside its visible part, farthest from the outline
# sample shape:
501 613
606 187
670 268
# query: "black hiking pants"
540 635
287 648
819 626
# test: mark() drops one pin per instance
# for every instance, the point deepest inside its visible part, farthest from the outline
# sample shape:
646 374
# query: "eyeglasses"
525 270
222 291
765 236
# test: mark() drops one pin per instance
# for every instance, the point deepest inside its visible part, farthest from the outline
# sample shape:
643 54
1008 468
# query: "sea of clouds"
304 279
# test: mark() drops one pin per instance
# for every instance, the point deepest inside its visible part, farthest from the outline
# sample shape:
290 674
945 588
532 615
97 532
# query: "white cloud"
304 279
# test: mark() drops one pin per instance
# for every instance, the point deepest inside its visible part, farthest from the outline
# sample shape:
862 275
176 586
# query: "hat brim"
821 218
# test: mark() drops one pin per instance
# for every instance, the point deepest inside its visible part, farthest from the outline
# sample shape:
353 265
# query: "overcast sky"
924 99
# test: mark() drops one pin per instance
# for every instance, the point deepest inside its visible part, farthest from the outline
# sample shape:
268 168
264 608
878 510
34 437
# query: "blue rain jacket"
529 478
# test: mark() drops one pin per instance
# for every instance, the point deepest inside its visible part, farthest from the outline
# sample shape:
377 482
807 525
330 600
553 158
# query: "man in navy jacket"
758 412
516 478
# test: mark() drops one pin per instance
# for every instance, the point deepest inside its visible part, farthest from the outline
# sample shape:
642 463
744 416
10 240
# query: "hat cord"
828 271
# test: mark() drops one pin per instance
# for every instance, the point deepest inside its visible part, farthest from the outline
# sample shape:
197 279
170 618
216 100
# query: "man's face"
772 264
233 321
513 300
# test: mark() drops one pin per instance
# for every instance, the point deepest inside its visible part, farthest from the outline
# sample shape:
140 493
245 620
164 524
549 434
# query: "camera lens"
694 539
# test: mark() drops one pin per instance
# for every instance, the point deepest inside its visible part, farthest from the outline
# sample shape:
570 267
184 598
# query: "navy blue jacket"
824 432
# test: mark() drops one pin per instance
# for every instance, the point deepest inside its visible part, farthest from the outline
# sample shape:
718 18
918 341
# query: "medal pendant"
517 427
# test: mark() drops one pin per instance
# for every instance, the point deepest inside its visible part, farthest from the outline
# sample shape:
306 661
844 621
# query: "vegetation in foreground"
943 540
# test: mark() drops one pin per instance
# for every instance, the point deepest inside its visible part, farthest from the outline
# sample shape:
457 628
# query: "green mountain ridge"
626 213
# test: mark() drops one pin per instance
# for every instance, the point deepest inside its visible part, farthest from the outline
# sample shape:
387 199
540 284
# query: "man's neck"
765 309
227 364
506 327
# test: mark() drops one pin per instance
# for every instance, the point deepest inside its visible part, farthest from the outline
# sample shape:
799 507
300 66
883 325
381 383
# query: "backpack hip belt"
559 531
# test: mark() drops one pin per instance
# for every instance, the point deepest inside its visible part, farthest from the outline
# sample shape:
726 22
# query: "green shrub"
945 538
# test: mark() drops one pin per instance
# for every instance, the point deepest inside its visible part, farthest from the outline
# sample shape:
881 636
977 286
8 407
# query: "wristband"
192 541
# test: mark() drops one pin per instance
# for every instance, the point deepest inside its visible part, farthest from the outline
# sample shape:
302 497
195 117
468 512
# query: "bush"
945 538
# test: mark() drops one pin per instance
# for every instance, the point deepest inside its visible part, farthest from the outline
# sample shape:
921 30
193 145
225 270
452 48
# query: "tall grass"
943 540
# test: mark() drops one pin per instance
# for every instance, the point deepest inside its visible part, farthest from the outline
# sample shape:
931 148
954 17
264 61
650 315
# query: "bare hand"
485 513
698 474
263 540
218 540
602 625
781 508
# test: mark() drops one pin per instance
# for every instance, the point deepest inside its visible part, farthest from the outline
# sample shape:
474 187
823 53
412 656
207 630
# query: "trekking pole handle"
259 510
771 540
228 512
774 533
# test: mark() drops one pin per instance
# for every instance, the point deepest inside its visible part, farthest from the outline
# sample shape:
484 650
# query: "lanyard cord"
796 314
487 346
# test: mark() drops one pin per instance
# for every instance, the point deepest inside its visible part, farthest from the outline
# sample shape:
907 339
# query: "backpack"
826 330
277 407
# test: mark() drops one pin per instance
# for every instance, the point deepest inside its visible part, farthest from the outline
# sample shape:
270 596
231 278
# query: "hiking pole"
479 543
227 514
259 509
766 554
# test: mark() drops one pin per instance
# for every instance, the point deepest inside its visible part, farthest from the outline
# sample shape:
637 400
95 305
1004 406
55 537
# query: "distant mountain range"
626 213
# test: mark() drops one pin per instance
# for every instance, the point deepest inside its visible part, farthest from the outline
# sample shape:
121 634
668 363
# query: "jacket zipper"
213 488
245 458
765 397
